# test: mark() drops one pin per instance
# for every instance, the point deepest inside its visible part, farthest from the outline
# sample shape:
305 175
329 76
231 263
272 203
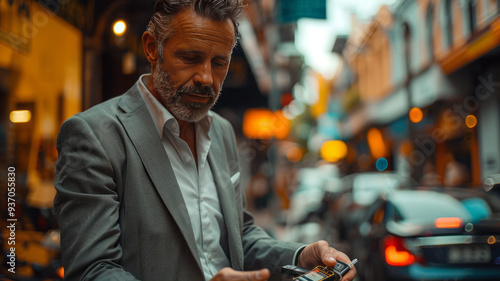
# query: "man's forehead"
191 25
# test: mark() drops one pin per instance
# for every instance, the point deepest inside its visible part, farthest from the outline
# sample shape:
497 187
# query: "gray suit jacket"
121 213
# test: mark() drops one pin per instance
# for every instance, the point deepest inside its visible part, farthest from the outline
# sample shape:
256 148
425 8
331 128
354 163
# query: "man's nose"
204 75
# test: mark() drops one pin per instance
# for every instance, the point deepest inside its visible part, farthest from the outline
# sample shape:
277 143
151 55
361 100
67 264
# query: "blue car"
429 234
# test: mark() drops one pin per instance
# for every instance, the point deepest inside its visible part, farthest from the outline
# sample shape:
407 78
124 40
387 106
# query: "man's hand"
229 274
320 253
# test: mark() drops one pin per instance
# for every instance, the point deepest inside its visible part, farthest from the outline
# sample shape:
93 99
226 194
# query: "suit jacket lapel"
227 198
141 130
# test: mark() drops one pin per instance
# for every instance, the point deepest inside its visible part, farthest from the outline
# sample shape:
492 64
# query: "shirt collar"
159 113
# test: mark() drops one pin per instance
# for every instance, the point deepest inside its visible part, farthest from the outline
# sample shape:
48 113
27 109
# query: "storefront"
40 87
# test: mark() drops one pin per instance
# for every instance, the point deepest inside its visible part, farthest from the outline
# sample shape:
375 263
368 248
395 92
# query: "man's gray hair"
160 25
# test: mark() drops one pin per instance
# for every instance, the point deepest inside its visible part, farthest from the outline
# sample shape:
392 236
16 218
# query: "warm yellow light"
261 123
492 240
376 143
333 151
20 116
294 154
471 121
60 272
416 115
119 27
256 123
280 125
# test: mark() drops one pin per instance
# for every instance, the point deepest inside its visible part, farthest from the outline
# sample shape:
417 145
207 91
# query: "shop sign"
293 10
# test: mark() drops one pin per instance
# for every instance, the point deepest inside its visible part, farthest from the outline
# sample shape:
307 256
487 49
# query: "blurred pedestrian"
456 173
429 175
148 182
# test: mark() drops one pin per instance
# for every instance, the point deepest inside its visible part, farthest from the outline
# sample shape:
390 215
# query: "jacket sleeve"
87 206
259 248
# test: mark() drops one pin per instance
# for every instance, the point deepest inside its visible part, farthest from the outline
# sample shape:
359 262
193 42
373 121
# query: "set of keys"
319 273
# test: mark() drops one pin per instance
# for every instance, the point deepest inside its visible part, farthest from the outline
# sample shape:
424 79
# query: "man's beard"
172 100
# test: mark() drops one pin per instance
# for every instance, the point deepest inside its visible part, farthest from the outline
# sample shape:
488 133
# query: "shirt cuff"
296 255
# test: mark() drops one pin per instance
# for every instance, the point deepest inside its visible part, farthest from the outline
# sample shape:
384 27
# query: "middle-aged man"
148 182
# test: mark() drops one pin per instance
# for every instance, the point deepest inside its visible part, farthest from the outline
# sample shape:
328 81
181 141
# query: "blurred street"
373 125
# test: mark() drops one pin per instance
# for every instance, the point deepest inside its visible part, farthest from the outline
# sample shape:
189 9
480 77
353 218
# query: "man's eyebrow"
185 52
188 52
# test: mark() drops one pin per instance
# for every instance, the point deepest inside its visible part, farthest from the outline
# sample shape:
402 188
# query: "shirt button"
189 159
209 257
202 198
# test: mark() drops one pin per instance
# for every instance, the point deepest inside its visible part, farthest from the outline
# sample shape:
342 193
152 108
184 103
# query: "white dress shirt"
196 182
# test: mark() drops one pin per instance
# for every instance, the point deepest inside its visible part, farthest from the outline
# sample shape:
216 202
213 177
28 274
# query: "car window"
426 206
478 208
367 187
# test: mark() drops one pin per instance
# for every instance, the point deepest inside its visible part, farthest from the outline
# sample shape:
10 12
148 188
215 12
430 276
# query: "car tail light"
396 253
454 222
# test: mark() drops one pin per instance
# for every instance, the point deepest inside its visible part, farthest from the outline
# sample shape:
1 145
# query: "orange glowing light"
416 115
471 121
376 143
294 154
448 222
60 272
261 123
280 125
333 151
256 123
492 240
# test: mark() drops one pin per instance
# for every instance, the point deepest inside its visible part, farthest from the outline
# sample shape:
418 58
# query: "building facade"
441 58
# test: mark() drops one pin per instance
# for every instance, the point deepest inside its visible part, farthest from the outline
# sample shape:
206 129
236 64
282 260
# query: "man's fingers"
229 274
329 256
262 274
350 275
321 253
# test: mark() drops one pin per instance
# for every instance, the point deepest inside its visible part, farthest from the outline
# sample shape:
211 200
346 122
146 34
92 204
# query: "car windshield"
427 206
367 187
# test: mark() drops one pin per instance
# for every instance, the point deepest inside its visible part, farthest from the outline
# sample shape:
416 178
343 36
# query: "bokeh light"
279 125
262 123
20 116
471 121
333 151
376 143
119 27
256 123
416 115
492 240
381 164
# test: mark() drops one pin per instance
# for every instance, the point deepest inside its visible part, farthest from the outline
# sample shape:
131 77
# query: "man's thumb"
262 274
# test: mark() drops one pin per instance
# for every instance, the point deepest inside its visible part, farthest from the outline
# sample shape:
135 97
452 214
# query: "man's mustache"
201 90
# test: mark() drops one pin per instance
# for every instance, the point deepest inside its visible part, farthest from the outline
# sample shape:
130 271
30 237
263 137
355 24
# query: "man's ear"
149 46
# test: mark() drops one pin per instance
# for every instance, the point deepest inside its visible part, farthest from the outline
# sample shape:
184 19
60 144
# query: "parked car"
430 234
346 206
